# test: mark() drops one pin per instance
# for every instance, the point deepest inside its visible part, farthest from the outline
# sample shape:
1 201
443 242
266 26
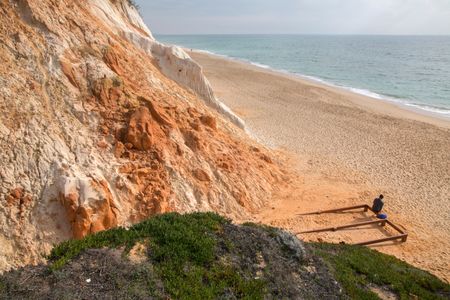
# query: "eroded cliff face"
101 125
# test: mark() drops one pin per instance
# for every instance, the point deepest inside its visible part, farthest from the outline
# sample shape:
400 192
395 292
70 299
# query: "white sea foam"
351 89
404 102
435 110
209 53
317 79
260 65
365 93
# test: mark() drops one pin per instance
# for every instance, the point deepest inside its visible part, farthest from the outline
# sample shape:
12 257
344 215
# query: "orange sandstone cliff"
101 126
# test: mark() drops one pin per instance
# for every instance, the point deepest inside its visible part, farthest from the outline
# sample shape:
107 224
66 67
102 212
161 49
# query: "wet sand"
347 149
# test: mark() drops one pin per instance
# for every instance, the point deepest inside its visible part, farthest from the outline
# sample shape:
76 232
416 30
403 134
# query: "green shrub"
182 250
357 267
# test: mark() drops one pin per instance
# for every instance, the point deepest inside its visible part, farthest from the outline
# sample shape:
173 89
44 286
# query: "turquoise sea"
412 70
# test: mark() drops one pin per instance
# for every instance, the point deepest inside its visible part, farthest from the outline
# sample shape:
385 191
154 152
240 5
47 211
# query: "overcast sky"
297 16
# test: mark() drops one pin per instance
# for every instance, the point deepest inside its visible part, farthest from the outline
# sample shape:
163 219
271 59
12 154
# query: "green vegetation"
356 268
204 256
272 231
182 251
117 81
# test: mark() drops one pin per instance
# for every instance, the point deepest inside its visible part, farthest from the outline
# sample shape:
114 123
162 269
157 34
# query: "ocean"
411 70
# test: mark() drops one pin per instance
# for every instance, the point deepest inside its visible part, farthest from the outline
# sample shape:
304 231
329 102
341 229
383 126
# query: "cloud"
298 16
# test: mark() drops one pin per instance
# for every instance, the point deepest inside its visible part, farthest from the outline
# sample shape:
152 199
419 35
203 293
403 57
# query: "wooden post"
395 227
403 237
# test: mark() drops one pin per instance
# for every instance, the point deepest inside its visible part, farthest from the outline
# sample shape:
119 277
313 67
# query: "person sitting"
378 204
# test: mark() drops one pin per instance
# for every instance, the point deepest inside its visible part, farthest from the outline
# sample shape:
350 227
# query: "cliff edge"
101 126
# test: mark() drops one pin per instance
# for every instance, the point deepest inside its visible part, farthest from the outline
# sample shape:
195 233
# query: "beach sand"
347 149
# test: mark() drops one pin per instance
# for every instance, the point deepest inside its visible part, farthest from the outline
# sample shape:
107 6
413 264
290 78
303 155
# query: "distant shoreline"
423 113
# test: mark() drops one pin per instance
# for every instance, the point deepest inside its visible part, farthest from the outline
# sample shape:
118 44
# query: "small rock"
266 158
141 128
254 149
202 175
195 126
292 243
102 144
17 193
119 150
209 121
120 184
224 166
104 129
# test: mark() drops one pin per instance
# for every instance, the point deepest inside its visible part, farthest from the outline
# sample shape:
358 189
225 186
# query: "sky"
297 16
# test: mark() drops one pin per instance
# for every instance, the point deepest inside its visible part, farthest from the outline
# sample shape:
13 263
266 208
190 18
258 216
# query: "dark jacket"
377 205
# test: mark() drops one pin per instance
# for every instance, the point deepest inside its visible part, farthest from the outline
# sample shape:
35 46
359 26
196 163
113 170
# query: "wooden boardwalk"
402 235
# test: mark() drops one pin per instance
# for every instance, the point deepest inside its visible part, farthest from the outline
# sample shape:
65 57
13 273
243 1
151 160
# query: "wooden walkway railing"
402 236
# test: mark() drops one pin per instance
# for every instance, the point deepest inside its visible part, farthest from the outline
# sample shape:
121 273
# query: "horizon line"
323 34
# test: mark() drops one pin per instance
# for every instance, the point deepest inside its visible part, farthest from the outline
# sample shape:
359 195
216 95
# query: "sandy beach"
347 149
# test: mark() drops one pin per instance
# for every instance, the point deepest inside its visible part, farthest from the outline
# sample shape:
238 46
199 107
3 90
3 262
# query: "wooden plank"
391 238
365 206
403 235
335 228
396 227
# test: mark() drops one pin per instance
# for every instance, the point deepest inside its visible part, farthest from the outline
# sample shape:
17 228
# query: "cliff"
101 125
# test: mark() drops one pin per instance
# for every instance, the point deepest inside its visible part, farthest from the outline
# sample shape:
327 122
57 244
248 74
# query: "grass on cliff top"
357 268
182 251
